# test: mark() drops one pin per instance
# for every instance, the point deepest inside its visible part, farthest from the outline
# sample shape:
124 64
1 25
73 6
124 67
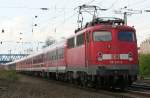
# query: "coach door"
87 48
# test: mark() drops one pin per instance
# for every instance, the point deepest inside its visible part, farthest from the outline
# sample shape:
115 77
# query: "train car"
103 54
55 60
10 66
33 63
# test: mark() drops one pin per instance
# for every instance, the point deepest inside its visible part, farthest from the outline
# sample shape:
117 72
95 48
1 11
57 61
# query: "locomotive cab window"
126 36
88 37
70 42
80 39
102 36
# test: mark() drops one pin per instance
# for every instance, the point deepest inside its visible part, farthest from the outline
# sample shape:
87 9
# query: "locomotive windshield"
102 36
126 36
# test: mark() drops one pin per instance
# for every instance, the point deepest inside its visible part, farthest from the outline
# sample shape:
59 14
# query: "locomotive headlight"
100 56
130 56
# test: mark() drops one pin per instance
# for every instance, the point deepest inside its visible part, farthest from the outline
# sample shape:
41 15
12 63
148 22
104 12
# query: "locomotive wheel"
90 83
83 82
82 79
69 77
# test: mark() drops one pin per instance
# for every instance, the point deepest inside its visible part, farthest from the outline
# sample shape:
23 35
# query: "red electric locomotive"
105 53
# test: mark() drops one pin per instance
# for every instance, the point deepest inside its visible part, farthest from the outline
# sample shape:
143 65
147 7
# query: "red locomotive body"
103 54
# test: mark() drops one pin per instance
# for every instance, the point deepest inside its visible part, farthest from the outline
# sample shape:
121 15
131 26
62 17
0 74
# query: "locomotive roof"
103 23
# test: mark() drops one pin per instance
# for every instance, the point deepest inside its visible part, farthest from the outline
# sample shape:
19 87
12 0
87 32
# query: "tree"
49 41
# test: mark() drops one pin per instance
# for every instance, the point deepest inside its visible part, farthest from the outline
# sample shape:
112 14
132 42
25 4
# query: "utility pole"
10 54
126 12
3 31
125 17
38 44
148 12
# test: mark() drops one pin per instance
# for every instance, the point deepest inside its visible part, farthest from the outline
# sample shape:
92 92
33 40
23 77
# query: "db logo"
115 56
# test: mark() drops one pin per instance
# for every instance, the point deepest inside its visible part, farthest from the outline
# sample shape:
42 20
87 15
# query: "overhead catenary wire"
34 8
68 18
136 3
90 2
125 11
112 5
61 24
49 20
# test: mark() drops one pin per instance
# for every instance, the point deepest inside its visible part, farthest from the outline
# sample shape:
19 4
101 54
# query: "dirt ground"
32 87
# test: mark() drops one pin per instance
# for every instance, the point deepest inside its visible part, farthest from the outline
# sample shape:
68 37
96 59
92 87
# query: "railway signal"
3 30
44 8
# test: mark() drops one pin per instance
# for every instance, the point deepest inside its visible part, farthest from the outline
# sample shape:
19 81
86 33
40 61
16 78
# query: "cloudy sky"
17 18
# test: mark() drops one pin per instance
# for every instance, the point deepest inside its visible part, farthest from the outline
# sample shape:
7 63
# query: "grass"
8 75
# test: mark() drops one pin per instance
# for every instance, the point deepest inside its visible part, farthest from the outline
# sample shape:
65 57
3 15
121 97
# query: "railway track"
117 93
142 92
120 94
143 86
129 93
140 89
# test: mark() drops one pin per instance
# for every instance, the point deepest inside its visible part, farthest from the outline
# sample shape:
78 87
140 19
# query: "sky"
18 19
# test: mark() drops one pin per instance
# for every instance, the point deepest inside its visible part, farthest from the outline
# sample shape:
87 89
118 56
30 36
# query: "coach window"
80 39
50 55
102 36
41 58
70 42
34 60
62 52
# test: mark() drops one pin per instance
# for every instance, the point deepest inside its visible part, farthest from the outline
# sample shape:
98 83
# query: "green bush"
9 75
144 61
